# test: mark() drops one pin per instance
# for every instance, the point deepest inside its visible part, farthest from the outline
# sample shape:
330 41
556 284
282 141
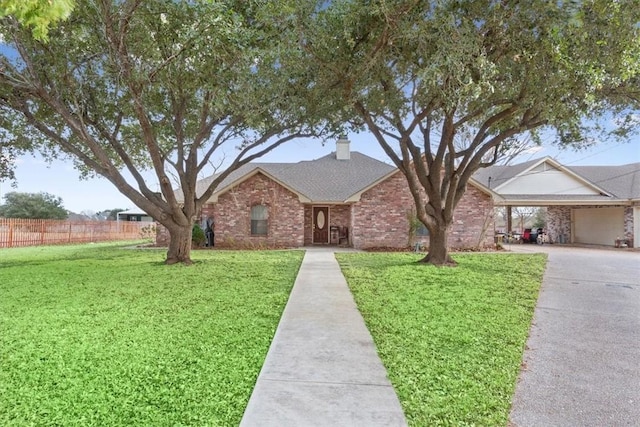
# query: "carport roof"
497 175
620 183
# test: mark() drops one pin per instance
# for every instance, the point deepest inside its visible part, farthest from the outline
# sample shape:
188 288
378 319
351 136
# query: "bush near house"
198 237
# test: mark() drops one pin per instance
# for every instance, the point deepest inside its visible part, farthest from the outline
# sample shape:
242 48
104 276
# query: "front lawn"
451 338
100 335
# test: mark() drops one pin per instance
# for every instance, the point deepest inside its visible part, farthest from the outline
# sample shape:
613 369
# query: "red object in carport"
526 236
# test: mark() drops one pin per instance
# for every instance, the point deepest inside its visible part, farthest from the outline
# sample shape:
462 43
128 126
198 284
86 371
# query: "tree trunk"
438 254
179 245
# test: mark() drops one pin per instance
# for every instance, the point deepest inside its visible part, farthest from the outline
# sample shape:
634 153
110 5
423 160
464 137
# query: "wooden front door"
320 224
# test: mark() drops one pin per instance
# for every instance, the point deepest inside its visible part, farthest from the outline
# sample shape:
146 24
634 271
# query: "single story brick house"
585 204
344 198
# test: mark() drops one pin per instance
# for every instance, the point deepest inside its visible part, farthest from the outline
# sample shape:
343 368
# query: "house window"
422 230
259 220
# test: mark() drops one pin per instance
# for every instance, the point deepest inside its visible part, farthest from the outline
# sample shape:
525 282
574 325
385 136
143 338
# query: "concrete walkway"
582 361
322 368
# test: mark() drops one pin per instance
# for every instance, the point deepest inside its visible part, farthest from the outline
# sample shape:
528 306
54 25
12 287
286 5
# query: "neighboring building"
585 204
134 215
343 198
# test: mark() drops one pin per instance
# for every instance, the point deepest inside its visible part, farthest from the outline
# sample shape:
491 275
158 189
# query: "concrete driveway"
582 361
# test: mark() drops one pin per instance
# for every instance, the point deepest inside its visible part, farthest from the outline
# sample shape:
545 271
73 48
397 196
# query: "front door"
320 224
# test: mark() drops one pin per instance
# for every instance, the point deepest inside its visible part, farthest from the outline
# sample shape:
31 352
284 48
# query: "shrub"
148 231
198 237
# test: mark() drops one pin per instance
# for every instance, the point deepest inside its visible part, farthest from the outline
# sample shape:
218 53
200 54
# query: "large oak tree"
446 87
179 88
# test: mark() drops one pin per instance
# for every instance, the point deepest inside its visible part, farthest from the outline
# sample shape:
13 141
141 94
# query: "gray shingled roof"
500 174
322 180
203 184
623 181
329 180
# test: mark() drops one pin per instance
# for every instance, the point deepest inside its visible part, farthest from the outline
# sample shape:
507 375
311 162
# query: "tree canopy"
38 15
32 206
446 87
184 89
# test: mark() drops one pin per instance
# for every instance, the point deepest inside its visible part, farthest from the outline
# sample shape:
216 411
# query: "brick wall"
340 215
628 225
381 217
232 215
559 223
473 220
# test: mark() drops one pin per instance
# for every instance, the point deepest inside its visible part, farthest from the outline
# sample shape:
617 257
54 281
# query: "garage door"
598 226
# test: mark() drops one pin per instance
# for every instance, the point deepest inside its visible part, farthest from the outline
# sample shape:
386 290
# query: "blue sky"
61 179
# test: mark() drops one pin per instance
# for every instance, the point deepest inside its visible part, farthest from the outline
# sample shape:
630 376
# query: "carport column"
509 219
636 227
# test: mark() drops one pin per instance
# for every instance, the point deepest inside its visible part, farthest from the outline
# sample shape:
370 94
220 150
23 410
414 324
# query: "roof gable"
330 180
543 176
545 180
263 169
494 176
326 179
323 180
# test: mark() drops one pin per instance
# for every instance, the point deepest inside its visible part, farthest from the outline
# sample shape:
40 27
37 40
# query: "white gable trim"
214 197
563 169
555 202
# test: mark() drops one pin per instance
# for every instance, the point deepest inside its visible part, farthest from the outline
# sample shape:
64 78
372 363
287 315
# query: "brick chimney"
343 152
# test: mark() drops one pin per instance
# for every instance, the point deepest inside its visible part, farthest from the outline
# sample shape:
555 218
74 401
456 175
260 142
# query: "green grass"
451 338
100 335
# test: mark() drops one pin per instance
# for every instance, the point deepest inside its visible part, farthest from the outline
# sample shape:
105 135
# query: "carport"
597 205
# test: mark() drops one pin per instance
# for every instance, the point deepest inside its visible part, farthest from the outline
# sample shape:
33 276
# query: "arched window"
259 220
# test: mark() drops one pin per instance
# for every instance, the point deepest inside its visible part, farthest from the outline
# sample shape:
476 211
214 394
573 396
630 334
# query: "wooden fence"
35 232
